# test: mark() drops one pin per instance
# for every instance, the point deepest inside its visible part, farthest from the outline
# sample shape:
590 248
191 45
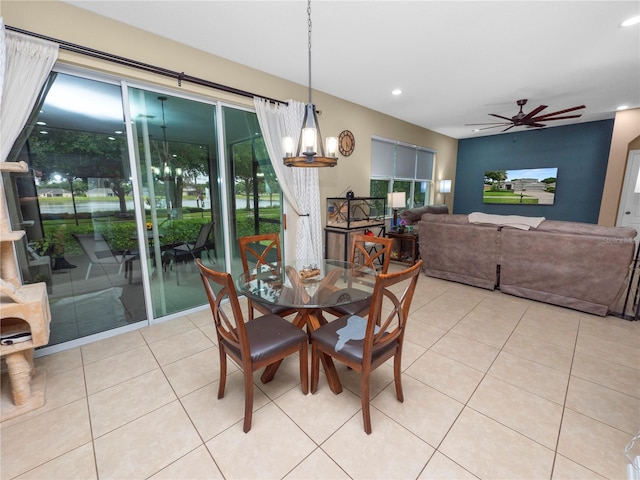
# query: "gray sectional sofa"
576 265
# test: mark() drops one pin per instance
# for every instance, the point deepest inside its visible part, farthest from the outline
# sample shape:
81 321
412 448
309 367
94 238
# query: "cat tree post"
22 308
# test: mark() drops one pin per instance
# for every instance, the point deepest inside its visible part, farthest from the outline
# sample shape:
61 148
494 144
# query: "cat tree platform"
23 309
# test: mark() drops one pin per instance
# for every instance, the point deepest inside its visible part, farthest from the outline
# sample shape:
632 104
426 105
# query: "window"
399 167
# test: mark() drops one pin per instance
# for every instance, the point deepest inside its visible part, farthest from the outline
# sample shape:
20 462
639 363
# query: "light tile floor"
495 387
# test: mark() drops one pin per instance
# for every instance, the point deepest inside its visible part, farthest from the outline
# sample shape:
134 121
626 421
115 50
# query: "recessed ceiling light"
118 132
630 21
475 130
622 107
397 91
111 138
44 132
41 123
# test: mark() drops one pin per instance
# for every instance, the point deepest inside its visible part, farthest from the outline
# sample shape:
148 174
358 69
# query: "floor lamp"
445 187
396 201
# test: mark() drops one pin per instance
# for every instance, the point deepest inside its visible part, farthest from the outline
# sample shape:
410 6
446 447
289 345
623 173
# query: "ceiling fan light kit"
531 119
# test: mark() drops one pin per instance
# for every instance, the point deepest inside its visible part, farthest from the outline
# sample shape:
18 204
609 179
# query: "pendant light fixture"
311 151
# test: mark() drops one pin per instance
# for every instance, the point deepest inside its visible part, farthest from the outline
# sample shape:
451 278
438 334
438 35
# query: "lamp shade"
445 186
397 199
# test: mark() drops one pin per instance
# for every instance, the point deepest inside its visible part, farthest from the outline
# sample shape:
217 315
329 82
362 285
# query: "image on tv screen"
525 186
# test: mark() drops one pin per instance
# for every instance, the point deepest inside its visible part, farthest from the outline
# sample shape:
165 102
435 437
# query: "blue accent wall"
580 152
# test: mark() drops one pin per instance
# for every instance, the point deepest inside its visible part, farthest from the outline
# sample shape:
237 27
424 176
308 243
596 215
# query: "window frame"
414 181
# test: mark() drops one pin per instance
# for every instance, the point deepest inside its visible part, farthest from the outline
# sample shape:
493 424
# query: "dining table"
308 286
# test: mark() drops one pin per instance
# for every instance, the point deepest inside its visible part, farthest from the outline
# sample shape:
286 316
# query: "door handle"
627 213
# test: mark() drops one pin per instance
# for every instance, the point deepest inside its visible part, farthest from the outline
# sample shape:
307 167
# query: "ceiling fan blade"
495 126
508 128
535 125
560 112
554 118
534 112
500 116
488 123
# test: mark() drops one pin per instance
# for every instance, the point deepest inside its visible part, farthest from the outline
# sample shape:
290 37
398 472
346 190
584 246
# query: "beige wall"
65 22
626 129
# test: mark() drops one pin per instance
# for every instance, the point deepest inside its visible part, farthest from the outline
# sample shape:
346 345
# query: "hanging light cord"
309 44
165 146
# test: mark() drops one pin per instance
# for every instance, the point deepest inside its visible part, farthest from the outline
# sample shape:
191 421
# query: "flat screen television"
524 186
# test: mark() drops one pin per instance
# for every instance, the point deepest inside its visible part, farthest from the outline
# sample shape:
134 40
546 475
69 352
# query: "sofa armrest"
414 215
453 249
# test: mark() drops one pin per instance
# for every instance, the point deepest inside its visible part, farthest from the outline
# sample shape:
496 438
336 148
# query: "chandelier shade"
311 151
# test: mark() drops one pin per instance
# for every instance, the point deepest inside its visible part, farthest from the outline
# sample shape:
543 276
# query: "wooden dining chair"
363 344
262 251
365 256
252 345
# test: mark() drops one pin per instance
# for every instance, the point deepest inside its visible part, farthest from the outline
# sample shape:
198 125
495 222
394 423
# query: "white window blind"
393 159
383 157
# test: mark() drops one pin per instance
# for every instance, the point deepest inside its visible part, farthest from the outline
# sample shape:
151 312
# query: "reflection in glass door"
175 146
115 217
253 189
76 207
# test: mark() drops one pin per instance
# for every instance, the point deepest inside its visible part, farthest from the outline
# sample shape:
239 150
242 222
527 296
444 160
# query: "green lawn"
120 231
509 198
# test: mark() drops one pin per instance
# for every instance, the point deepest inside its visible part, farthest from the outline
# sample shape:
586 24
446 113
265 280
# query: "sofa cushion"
448 219
413 215
577 228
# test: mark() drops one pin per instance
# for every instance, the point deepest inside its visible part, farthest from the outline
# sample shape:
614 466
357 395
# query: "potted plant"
53 245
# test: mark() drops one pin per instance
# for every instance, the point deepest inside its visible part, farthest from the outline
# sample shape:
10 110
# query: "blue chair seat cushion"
345 335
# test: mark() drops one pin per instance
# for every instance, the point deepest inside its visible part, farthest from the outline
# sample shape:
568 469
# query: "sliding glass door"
116 212
175 145
76 205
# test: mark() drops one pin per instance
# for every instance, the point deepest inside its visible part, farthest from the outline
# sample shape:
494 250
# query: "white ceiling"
455 61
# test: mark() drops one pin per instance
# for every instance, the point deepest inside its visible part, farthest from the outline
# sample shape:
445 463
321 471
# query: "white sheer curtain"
28 61
300 186
3 58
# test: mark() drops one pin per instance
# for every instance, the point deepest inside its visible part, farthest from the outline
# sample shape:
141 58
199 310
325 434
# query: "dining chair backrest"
229 329
363 344
369 250
258 250
262 252
366 252
260 342
389 309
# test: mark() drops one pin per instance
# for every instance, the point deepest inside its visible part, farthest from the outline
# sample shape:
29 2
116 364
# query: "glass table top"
308 283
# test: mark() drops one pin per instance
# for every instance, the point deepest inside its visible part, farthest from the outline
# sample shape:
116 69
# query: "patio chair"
98 251
187 252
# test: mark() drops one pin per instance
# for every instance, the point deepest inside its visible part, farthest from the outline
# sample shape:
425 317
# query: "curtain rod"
179 76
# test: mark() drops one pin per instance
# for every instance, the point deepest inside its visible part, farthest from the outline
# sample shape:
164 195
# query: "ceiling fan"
529 120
